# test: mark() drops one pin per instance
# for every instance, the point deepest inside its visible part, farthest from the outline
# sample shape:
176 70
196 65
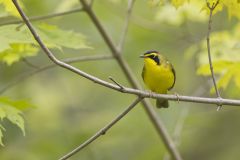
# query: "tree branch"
38 18
178 129
181 120
127 71
211 8
102 131
29 63
125 28
49 66
116 83
137 92
125 68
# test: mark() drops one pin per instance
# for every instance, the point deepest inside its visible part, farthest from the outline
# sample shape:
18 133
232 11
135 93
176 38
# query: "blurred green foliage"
12 111
70 109
18 42
225 48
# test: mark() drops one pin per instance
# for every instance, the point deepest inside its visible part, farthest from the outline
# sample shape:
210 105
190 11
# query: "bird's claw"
150 93
177 95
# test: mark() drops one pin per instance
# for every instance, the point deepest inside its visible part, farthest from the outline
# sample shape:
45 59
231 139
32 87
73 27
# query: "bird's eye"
155 58
152 56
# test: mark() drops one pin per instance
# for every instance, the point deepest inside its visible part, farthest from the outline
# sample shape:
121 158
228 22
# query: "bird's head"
152 56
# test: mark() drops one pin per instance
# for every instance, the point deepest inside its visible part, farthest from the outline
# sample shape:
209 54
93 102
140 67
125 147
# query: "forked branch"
156 121
211 9
128 90
158 124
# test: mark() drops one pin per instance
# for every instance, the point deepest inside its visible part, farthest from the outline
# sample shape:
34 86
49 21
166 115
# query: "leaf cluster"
225 48
12 111
17 43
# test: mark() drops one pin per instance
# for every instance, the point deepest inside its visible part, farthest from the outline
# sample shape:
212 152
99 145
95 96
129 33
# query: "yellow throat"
158 73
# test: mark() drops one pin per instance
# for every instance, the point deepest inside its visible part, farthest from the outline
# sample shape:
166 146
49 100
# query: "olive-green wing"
174 74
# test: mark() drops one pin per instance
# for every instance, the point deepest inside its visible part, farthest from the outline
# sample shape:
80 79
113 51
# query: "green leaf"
218 8
225 79
13 34
17 42
16 52
220 67
51 35
189 11
15 116
10 8
12 111
232 6
225 49
178 3
56 37
19 104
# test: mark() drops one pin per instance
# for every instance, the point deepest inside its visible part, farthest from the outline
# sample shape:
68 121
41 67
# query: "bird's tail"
162 103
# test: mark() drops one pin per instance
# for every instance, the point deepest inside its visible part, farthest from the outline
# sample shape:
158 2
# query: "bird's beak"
142 56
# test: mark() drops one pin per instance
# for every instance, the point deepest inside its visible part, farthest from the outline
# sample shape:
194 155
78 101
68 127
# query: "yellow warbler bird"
158 74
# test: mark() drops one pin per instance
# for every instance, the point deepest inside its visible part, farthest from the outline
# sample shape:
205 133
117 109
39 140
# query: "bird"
158 75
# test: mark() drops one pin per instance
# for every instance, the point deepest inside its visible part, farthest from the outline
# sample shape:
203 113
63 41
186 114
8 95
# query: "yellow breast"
159 78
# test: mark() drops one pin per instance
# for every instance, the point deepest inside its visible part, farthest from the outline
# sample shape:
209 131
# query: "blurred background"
69 108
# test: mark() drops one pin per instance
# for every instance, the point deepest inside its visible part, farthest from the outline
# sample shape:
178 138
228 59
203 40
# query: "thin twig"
181 120
211 8
126 90
38 18
130 76
49 66
137 92
178 129
116 82
125 28
102 131
29 63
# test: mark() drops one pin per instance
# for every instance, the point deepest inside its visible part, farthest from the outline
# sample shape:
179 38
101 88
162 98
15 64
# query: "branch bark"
49 66
102 131
211 9
125 28
137 92
181 121
153 116
162 131
38 18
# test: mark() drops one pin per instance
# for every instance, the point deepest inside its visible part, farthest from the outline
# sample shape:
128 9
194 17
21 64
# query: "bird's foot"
177 95
151 93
